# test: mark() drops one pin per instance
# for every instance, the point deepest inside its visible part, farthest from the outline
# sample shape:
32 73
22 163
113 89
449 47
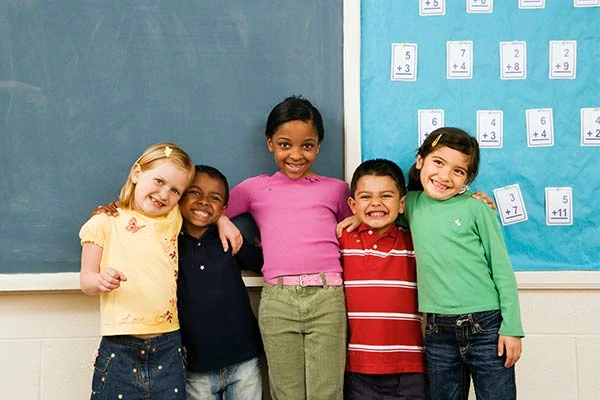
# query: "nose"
444 173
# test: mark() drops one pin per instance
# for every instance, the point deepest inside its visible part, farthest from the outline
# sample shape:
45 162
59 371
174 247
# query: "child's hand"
111 209
229 233
485 198
350 224
511 345
110 279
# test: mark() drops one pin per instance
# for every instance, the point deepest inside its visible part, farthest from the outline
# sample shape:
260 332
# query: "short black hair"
294 108
214 174
379 167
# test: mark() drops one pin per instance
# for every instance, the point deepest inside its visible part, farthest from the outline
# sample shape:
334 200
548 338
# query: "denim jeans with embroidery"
461 347
139 369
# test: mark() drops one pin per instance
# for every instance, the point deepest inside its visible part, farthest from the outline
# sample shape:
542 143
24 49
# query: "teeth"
200 213
376 214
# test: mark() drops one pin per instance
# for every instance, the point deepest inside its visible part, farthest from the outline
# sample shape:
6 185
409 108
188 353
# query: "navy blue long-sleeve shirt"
218 326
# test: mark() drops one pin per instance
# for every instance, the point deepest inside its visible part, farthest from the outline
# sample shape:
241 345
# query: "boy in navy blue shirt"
219 329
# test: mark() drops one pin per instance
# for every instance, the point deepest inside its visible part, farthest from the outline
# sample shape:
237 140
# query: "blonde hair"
157 152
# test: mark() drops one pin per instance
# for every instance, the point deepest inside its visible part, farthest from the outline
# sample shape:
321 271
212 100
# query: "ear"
318 148
352 204
135 173
223 211
270 144
419 162
401 205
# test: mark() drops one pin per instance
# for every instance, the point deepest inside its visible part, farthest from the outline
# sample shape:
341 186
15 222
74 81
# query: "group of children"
176 316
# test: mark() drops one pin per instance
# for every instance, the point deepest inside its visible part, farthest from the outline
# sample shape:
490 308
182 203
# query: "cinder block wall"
47 339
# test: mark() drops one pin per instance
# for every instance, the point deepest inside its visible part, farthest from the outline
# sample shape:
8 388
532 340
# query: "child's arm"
250 257
350 223
91 280
229 233
510 345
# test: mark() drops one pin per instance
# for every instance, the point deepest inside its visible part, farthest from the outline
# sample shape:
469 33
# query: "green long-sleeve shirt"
462 262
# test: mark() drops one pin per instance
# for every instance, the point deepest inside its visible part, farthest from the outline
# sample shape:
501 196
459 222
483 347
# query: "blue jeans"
461 347
139 369
242 381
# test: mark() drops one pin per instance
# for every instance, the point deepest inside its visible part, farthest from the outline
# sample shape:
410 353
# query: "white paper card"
513 60
432 7
510 204
540 127
429 120
586 3
590 126
480 6
563 59
490 128
559 206
532 3
404 61
459 60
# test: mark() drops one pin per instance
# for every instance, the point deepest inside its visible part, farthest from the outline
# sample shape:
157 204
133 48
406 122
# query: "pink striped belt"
322 279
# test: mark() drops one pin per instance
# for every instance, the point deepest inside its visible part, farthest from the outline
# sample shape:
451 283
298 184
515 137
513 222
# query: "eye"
437 162
284 145
364 197
387 196
215 199
194 193
308 146
460 172
175 191
158 181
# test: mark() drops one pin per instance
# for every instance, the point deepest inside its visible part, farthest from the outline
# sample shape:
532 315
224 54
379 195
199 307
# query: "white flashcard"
404 61
532 3
513 60
510 204
563 59
459 60
429 120
559 206
490 128
586 3
480 6
590 126
432 7
540 127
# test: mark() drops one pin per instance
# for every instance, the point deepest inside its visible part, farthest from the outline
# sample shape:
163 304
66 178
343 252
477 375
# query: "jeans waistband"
132 341
461 319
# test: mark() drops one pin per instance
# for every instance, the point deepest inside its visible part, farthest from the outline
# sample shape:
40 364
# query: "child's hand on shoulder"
511 346
110 279
485 198
111 209
349 223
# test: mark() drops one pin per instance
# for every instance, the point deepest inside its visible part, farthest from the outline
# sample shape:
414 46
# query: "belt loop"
280 281
323 279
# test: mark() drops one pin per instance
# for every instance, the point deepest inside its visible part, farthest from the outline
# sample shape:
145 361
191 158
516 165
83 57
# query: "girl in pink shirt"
302 310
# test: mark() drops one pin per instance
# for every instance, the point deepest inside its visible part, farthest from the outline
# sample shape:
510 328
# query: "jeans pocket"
431 327
487 323
101 369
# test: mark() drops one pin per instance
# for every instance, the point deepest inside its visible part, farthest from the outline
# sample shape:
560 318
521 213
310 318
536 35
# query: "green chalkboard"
86 86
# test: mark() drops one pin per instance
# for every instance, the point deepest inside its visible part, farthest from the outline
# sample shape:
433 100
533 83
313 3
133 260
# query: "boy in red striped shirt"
385 357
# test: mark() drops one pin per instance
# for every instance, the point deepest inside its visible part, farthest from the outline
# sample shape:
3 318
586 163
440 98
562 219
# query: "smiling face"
295 146
443 172
159 188
376 202
202 204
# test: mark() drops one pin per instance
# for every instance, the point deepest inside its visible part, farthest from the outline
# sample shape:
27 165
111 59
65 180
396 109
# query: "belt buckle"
301 279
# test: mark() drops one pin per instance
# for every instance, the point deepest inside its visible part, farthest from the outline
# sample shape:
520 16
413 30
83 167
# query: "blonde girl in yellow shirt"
131 261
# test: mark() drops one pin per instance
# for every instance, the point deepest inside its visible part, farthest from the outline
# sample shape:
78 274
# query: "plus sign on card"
590 126
513 60
404 62
459 60
490 127
563 59
510 204
480 6
540 127
559 206
429 120
432 7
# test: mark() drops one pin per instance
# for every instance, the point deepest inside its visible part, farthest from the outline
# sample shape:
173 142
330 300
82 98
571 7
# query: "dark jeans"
407 386
139 369
460 347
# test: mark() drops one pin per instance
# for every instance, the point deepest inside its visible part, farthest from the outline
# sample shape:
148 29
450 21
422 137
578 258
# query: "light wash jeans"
304 335
242 381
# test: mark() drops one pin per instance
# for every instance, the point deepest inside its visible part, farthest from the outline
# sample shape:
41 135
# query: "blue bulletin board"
390 108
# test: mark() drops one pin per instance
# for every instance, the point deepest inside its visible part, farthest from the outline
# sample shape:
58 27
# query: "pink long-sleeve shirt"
296 219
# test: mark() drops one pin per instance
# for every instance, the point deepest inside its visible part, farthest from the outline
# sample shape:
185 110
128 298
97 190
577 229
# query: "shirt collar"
392 232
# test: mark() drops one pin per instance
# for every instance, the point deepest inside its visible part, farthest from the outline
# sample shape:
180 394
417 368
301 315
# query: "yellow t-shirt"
145 250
